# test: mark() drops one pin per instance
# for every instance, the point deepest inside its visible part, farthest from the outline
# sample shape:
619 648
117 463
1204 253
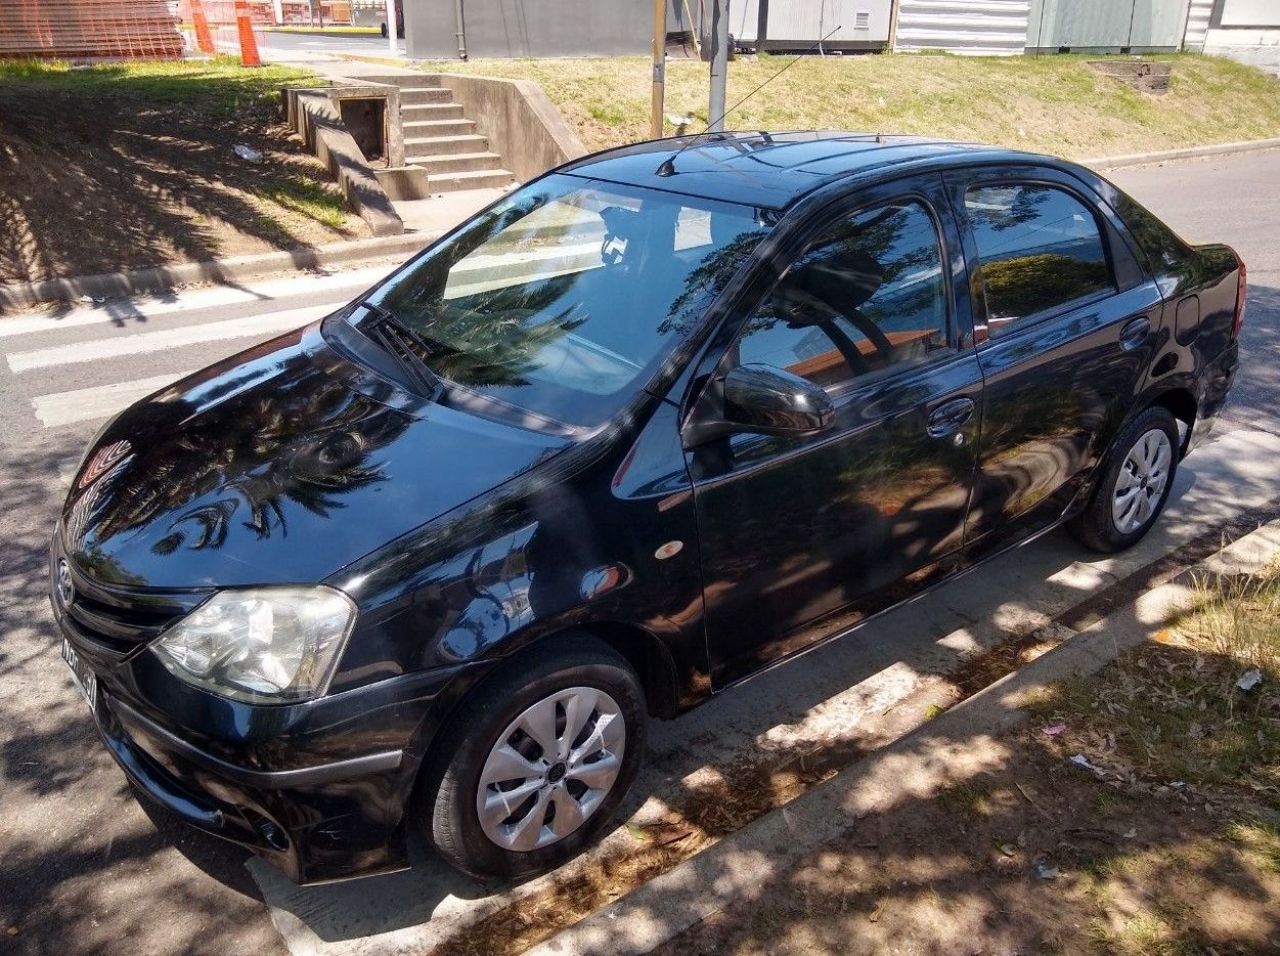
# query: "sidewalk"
983 832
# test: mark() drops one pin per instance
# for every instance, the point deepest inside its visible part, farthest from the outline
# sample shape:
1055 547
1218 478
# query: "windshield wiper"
402 344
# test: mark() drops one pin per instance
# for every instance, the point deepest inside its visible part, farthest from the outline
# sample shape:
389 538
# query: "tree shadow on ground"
127 175
83 868
1006 846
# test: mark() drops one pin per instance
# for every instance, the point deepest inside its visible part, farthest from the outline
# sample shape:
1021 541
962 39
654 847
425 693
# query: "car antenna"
668 166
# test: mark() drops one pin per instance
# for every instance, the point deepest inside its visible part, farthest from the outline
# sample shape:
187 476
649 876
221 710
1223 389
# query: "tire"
570 672
1108 524
383 31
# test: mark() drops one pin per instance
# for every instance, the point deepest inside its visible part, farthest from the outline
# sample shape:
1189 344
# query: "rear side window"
868 294
1039 249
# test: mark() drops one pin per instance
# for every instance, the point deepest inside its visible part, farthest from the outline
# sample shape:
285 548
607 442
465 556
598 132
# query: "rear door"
1064 322
803 536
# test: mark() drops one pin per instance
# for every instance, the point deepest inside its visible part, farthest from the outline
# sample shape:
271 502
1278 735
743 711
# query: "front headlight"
262 645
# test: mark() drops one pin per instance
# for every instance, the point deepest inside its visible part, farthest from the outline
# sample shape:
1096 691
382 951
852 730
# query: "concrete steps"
424 112
418 96
441 140
459 162
473 179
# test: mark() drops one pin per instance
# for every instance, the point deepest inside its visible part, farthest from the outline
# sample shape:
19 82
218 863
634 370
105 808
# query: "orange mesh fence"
89 29
214 26
153 29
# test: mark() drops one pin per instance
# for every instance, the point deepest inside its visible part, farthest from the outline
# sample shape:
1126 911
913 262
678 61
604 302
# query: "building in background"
1244 30
835 26
976 27
537 28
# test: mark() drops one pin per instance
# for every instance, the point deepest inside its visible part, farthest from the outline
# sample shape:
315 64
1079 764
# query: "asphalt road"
287 46
85 869
1236 200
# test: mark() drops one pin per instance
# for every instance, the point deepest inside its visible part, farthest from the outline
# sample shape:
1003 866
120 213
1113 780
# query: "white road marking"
101 401
146 308
98 349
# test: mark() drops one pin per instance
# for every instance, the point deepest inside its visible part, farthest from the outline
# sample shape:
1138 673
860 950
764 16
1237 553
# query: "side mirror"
770 401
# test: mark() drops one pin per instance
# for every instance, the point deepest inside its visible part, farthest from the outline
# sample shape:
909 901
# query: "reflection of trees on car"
490 339
706 281
1019 286
316 439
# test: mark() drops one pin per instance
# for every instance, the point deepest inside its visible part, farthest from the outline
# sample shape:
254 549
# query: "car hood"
276 467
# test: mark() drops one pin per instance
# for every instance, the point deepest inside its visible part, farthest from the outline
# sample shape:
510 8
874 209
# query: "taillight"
1242 289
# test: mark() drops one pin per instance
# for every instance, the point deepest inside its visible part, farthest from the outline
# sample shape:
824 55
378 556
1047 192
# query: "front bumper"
322 822
317 788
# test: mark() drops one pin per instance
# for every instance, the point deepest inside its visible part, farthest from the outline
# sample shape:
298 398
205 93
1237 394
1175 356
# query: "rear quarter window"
1039 249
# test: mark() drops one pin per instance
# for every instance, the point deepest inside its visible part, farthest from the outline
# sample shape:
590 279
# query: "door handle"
1135 333
950 416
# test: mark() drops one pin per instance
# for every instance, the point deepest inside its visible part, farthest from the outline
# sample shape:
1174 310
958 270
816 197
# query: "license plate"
84 678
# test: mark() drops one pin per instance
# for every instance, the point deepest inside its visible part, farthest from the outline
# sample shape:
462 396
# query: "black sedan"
644 426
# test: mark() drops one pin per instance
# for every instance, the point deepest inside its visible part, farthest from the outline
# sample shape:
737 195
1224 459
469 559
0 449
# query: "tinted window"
1039 248
566 296
866 295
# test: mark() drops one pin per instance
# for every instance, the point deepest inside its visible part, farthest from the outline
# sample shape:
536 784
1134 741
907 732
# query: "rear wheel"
1136 485
536 761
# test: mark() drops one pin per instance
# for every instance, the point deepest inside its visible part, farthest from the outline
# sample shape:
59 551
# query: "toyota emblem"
66 587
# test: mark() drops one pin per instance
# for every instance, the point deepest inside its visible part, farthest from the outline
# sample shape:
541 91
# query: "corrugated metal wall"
963 26
803 22
1106 25
1197 25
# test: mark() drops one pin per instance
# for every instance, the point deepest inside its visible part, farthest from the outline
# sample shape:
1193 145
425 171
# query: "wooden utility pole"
659 67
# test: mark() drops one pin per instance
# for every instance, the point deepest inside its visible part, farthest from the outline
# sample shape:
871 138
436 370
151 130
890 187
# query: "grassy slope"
1055 104
141 155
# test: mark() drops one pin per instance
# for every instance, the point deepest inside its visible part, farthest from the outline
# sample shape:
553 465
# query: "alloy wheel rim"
550 770
1142 480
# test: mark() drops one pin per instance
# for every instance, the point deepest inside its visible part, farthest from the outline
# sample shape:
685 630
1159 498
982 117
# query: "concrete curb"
915 766
18 295
1191 152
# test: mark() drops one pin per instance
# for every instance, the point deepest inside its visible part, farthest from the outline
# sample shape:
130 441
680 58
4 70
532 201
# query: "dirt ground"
1137 813
118 168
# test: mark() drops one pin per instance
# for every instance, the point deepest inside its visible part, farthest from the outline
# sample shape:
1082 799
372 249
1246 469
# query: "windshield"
565 297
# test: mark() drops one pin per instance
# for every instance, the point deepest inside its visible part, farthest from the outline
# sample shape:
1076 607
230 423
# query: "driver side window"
868 294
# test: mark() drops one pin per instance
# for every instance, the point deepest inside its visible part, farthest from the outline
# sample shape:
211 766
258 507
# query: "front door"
803 536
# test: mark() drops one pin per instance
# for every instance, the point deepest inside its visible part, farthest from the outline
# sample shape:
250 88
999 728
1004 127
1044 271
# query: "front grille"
109 621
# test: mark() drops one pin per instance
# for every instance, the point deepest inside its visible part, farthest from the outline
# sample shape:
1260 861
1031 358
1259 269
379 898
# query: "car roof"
774 170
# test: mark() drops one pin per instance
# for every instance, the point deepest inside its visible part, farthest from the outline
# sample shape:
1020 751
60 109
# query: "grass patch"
320 201
1054 104
1259 842
219 87
1171 712
965 800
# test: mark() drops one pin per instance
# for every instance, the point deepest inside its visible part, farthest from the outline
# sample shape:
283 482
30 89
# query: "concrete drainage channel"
715 770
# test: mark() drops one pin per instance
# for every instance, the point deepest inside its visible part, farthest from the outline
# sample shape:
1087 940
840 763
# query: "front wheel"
536 761
1136 485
